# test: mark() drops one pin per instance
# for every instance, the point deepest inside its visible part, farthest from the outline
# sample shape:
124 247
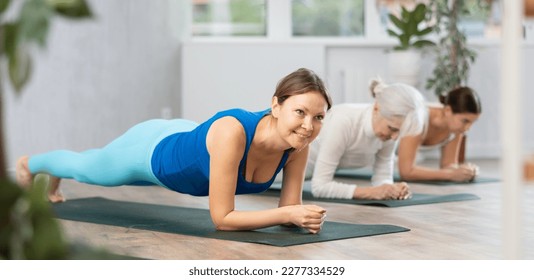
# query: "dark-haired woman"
234 152
446 125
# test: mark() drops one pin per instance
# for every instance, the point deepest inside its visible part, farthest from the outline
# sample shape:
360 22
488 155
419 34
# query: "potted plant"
410 30
28 228
453 56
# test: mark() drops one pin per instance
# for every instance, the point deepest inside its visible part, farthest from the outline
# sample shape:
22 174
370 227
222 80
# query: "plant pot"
404 67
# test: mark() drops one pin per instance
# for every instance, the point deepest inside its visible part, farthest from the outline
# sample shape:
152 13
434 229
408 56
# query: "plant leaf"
419 13
11 38
393 33
47 241
404 12
396 21
74 9
424 31
34 21
423 43
3 5
2 39
19 68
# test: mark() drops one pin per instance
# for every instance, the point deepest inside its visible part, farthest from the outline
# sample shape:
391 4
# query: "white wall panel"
219 76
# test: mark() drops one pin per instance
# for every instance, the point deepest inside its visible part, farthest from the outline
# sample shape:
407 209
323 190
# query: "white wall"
98 77
233 74
219 76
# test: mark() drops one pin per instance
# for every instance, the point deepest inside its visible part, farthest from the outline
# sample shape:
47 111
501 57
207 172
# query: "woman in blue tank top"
234 152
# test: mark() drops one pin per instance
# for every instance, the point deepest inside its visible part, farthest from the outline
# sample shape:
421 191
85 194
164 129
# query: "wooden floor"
456 230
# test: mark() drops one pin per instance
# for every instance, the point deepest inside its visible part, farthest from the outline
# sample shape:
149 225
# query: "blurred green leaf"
424 32
75 9
396 21
423 43
2 39
10 195
404 12
11 38
392 33
28 229
419 13
19 68
3 5
47 242
34 21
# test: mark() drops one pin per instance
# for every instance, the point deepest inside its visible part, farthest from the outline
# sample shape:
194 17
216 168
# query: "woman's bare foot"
25 179
23 175
54 193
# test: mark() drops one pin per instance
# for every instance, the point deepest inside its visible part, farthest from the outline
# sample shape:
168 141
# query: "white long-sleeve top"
347 140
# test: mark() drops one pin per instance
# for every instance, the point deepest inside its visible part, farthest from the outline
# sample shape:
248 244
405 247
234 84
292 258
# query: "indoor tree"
453 56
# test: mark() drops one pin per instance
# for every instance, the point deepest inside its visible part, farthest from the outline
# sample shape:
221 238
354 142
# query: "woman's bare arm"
291 194
411 172
226 144
450 152
408 168
450 160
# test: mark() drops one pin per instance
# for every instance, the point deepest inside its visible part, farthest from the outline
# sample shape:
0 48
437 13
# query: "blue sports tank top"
181 161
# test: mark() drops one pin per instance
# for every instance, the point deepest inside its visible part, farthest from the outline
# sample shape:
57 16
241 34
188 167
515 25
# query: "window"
365 19
336 18
229 18
482 20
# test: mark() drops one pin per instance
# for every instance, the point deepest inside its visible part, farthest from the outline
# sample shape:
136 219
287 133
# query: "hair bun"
376 86
442 99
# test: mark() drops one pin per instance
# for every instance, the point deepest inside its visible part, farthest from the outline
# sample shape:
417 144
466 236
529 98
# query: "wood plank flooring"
462 230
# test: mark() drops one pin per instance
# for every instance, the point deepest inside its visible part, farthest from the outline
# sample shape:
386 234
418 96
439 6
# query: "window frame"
279 30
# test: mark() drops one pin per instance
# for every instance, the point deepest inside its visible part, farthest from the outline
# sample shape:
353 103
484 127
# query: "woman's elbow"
221 225
223 228
407 174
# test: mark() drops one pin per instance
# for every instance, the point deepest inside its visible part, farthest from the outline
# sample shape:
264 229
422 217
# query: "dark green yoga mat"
367 174
417 198
197 222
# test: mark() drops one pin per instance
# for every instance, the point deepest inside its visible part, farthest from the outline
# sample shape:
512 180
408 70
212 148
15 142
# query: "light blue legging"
125 161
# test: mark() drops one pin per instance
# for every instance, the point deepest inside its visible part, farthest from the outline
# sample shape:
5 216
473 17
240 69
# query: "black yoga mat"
417 198
197 222
367 174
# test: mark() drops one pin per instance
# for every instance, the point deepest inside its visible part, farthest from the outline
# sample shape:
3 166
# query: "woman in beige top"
446 127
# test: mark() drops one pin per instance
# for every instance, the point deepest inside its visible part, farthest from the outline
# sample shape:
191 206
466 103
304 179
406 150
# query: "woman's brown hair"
299 82
462 100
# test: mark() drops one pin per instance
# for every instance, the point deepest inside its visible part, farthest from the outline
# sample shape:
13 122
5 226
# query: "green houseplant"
410 28
453 56
28 229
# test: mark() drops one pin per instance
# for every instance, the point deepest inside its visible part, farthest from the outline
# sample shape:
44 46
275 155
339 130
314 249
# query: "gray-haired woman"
360 135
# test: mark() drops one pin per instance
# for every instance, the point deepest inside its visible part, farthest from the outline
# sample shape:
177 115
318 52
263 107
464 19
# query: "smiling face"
299 118
460 122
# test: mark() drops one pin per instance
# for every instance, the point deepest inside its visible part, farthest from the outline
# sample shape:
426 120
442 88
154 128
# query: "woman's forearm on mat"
249 220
